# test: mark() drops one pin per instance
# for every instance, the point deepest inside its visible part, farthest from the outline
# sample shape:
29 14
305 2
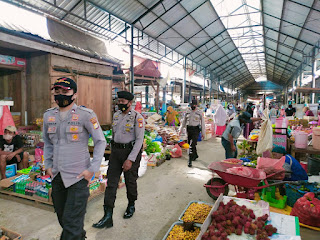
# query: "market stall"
233 218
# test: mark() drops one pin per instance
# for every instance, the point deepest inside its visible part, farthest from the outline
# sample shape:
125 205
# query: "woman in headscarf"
171 116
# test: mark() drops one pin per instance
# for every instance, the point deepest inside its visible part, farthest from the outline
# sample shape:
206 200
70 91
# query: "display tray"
178 223
200 202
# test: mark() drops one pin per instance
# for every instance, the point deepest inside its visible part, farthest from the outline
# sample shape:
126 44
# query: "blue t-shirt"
298 173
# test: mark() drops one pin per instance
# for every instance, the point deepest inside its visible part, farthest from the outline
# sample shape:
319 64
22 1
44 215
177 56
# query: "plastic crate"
293 192
178 223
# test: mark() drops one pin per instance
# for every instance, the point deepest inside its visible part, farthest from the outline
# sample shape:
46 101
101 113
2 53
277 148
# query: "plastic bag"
138 107
242 171
176 152
307 208
220 117
270 165
143 164
265 136
6 119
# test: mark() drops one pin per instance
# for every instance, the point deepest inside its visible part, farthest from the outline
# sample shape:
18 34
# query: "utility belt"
193 127
122 145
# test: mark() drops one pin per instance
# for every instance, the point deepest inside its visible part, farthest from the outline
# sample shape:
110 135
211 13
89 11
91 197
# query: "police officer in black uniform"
127 139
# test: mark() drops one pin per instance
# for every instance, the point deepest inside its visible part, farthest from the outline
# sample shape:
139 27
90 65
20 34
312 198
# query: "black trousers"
70 205
193 134
117 158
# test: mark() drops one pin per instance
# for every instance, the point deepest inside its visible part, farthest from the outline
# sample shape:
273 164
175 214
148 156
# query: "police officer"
127 139
195 123
66 132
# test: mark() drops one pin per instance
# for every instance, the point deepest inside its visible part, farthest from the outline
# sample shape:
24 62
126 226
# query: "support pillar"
314 69
218 86
131 63
147 97
204 85
183 87
164 94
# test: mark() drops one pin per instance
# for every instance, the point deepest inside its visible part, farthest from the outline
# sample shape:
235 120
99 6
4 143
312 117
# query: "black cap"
194 102
65 83
126 95
246 117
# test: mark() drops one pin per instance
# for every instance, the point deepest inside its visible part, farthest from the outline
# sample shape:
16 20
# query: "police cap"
65 83
126 95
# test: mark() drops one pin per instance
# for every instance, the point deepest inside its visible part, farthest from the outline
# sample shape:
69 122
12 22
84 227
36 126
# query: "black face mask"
63 100
123 107
193 107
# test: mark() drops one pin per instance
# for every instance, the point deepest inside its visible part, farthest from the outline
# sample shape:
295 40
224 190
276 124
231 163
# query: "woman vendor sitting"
291 164
171 115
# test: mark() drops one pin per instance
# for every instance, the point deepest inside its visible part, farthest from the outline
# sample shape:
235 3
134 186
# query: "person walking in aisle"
194 121
126 149
66 131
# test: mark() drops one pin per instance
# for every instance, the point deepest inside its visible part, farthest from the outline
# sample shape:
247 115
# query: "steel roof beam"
188 14
141 16
294 24
269 48
71 9
309 13
287 35
304 5
279 59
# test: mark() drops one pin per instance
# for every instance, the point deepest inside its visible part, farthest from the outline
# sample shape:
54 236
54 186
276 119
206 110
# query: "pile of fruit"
232 218
196 212
178 233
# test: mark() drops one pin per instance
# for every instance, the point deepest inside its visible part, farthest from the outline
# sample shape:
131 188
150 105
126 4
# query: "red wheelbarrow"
245 187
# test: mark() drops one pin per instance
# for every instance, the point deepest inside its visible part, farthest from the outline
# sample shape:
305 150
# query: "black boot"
106 221
130 210
190 161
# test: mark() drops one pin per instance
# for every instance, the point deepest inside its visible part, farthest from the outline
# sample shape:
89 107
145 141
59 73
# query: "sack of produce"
307 208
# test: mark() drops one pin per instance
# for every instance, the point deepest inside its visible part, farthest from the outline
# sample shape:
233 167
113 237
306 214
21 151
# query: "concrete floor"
164 192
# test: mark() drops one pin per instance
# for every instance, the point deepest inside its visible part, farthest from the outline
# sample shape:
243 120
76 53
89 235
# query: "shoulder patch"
51 109
86 109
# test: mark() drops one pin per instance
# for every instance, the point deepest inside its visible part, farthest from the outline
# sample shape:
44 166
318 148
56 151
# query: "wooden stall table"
308 150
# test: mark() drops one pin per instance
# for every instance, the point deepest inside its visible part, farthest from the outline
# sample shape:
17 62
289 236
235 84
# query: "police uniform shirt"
194 118
66 143
127 128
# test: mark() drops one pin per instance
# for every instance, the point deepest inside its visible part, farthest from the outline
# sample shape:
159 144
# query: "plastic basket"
178 223
199 202
293 192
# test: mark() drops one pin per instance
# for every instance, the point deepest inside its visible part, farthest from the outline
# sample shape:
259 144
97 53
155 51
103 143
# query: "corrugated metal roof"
237 40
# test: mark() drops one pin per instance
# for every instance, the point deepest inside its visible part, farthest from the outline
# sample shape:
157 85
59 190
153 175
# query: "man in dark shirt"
11 150
290 111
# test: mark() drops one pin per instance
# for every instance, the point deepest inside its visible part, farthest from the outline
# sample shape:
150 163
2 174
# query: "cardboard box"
11 234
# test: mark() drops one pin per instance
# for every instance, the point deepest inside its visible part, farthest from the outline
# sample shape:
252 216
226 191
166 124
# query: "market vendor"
194 121
291 165
171 116
126 151
232 133
66 131
11 150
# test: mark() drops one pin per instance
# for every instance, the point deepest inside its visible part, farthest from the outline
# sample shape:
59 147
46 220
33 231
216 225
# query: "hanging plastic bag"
220 117
6 119
265 135
138 107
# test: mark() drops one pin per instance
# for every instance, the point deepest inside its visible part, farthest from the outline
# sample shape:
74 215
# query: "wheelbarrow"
245 187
